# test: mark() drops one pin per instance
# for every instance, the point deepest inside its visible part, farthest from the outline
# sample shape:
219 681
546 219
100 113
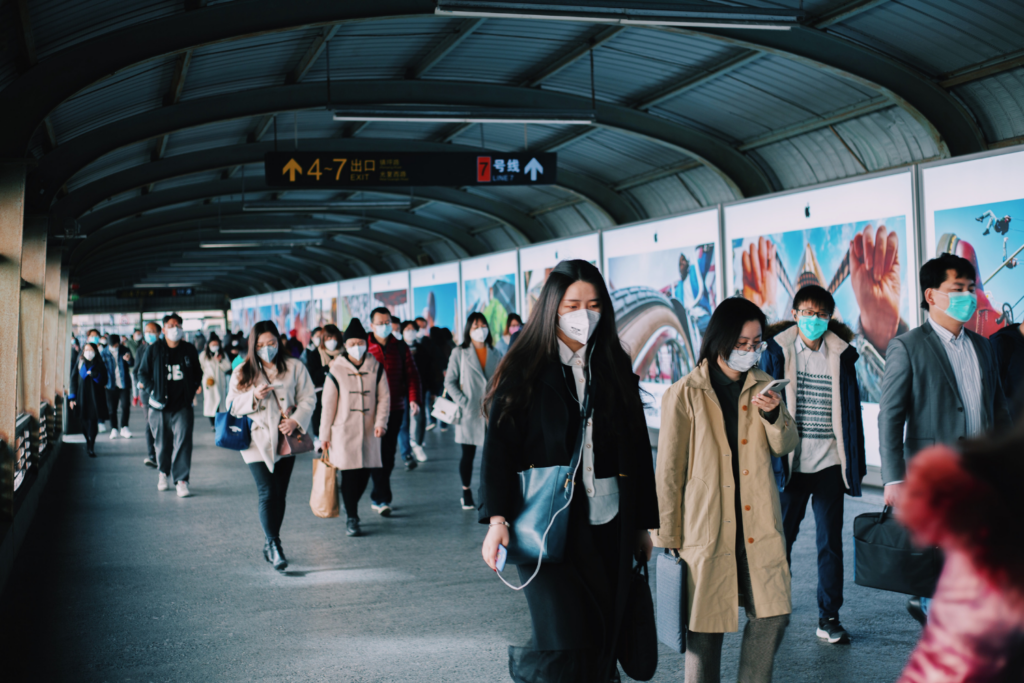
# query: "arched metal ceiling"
150 117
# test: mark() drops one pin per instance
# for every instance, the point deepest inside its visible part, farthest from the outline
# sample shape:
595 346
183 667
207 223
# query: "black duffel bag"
638 639
884 557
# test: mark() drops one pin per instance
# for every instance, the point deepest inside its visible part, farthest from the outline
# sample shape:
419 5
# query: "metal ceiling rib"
509 137
118 160
59 24
998 102
524 197
231 132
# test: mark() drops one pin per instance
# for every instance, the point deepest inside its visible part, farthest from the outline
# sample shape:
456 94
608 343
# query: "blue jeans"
404 447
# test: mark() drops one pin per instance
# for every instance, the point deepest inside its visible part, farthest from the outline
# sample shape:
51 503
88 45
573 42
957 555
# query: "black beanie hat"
355 330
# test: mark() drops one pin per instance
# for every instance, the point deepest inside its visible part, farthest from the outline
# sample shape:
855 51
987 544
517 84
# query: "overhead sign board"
388 169
154 292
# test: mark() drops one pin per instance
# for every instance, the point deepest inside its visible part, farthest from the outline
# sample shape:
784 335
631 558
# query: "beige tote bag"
324 498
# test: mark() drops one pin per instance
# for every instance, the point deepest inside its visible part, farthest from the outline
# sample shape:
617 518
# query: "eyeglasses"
807 313
751 346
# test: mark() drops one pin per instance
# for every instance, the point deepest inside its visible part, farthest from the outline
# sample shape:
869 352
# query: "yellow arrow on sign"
292 167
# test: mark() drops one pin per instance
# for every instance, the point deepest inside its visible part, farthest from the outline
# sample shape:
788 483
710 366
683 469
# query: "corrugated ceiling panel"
259 62
888 138
185 180
595 217
939 37
440 251
221 134
565 222
118 160
498 239
664 197
59 24
398 130
511 137
613 156
998 102
507 50
707 186
525 198
129 92
10 44
456 215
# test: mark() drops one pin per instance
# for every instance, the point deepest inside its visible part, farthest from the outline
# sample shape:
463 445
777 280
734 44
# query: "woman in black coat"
570 349
87 396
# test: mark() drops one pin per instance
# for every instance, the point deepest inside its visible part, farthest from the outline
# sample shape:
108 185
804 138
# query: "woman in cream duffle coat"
277 394
216 365
718 500
351 426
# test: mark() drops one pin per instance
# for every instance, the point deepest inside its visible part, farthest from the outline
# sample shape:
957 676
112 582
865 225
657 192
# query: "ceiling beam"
31 59
599 37
656 174
824 121
979 71
312 55
689 83
574 135
845 11
442 49
453 132
172 97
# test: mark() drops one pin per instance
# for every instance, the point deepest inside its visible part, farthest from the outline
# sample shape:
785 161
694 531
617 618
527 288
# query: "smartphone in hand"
774 385
502 558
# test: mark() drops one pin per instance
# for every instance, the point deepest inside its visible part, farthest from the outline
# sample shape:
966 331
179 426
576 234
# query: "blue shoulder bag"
233 433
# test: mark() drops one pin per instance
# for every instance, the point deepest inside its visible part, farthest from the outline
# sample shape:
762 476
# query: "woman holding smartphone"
87 395
569 351
470 369
719 502
275 391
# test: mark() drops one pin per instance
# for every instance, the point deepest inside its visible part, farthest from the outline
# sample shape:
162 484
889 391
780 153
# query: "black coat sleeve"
645 496
144 373
499 480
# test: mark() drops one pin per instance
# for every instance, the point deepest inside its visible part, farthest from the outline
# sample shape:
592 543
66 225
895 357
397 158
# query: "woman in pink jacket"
966 503
356 405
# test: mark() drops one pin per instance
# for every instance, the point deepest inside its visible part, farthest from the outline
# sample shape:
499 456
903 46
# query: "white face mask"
315 342
741 361
396 334
409 336
579 325
173 334
479 334
267 353
137 336
356 352
421 333
382 330
215 349
89 354
331 344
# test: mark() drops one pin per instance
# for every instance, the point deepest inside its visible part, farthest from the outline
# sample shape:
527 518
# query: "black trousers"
124 398
381 476
90 428
353 485
826 491
466 464
273 489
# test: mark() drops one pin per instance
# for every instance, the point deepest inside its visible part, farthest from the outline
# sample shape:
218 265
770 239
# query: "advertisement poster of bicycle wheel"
855 240
664 285
435 296
323 307
489 286
537 261
391 291
353 302
297 320
975 209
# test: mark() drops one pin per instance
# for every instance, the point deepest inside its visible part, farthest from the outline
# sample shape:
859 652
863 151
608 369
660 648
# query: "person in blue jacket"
118 361
88 379
814 353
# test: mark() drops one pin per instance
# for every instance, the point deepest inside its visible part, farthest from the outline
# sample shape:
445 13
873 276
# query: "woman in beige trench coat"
216 366
354 416
717 497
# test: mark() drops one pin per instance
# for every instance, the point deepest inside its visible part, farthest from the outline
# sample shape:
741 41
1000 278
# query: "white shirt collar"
800 346
566 355
944 334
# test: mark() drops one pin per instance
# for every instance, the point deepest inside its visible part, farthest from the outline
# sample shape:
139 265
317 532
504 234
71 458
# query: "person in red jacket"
966 503
404 384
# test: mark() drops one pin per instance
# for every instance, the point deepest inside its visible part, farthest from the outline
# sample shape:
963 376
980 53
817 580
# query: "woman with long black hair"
275 391
87 382
569 350
318 361
470 369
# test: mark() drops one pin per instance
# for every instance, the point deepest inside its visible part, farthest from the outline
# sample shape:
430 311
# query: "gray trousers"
172 434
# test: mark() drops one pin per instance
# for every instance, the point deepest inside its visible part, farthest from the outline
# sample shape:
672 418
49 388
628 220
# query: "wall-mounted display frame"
435 296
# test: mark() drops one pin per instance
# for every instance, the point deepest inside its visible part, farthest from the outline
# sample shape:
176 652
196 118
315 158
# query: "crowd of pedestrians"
768 422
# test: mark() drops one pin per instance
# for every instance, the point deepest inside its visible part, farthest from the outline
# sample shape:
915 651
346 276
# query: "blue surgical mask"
150 338
812 326
267 353
961 305
94 339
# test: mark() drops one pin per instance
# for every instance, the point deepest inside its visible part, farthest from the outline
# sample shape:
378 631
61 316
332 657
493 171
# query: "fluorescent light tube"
413 114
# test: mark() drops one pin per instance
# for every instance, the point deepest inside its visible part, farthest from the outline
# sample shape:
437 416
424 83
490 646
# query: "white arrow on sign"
533 168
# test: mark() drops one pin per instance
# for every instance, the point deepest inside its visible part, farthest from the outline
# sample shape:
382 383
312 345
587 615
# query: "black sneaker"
352 527
411 464
917 611
467 500
150 462
832 631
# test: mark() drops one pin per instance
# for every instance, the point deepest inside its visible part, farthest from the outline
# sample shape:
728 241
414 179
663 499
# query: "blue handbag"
233 433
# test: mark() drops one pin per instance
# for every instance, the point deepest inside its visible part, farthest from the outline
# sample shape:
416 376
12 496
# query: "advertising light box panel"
264 308
975 209
536 263
435 296
281 310
664 285
353 302
297 321
391 290
323 306
854 239
489 287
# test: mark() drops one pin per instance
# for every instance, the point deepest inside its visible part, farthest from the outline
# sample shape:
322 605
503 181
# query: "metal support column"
30 347
12 215
51 311
61 381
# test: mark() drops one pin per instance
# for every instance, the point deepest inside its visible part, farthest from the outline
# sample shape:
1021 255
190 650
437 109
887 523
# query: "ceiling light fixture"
444 114
300 206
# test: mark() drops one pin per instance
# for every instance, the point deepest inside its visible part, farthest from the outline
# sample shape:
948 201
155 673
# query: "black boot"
277 555
266 550
352 527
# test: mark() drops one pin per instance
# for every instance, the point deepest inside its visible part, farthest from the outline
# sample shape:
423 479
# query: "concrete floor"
119 582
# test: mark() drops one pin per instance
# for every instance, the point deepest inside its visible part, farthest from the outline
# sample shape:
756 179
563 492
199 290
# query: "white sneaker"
183 491
102 428
430 426
419 453
113 434
125 434
162 483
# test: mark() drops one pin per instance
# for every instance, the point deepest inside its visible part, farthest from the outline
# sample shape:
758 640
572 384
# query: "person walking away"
276 392
134 344
815 355
1008 344
149 337
216 366
512 326
467 381
118 362
199 341
570 351
171 375
356 405
720 509
87 394
317 363
941 383
404 389
93 337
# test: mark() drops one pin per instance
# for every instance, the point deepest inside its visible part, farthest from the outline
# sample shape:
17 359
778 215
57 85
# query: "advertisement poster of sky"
437 303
